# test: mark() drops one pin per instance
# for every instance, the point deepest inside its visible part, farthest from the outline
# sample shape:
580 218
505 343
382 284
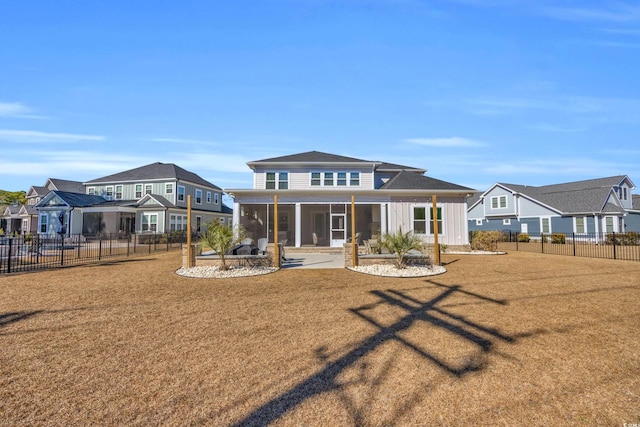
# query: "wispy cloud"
16 109
546 127
184 141
616 12
34 137
453 141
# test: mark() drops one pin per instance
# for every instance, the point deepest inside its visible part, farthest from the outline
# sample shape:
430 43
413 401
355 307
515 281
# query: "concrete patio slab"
314 260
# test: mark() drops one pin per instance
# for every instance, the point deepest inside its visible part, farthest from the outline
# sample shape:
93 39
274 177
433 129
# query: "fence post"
9 256
613 237
61 250
542 242
99 247
128 243
573 235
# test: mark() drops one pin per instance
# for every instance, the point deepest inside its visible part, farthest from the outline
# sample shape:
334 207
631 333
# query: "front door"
524 228
338 229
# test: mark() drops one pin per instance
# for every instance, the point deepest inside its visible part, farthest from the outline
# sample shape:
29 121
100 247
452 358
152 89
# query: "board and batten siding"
454 211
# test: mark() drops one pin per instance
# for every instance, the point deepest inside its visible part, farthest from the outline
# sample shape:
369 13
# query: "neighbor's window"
138 191
342 179
608 222
181 193
580 226
478 222
198 196
216 198
506 221
149 222
43 223
498 202
208 196
546 225
168 188
148 188
91 190
118 192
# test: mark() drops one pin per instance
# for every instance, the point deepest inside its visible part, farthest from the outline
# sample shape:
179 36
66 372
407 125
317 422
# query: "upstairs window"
216 198
208 196
354 179
91 190
181 193
198 196
148 188
168 188
109 193
277 180
118 192
328 179
316 179
138 191
342 179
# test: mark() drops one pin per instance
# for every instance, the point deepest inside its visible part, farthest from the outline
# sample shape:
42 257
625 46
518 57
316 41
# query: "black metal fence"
622 246
35 252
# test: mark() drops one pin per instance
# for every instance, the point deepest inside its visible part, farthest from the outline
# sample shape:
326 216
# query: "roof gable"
311 157
63 198
65 185
154 172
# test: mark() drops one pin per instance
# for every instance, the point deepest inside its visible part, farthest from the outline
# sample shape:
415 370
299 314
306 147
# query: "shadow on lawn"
9 318
414 311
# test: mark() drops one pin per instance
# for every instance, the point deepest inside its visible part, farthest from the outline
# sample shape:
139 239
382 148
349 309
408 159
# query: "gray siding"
632 221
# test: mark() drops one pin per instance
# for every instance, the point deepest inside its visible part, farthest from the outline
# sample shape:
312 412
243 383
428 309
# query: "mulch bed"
519 339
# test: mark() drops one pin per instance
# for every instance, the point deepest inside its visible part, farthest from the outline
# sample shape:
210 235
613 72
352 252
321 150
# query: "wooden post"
434 215
189 249
354 244
276 248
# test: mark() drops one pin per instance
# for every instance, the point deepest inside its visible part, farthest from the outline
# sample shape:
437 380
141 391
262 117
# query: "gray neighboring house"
602 205
148 199
24 219
314 192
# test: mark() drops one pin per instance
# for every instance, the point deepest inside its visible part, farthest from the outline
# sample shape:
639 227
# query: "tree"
400 244
221 238
11 197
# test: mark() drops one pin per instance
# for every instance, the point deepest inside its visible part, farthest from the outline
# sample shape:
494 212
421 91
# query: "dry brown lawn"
519 339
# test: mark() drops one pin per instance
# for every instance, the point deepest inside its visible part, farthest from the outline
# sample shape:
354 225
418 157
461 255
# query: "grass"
498 340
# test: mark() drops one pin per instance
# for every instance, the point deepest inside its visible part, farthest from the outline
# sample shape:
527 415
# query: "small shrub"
613 239
487 240
559 238
630 238
524 238
400 244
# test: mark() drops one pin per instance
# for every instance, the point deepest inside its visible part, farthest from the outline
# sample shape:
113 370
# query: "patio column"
383 219
298 225
236 213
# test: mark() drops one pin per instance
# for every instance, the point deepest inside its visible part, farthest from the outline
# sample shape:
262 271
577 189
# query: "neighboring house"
600 205
151 198
314 192
29 214
11 219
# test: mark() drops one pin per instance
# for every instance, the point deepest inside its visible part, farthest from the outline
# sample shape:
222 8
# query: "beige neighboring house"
314 192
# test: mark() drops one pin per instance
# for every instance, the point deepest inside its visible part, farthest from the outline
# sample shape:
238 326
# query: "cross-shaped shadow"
413 311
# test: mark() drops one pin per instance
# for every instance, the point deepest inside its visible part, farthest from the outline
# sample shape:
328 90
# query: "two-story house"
314 192
24 219
151 198
602 205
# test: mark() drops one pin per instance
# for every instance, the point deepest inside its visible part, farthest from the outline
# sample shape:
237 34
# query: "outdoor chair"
262 245
314 236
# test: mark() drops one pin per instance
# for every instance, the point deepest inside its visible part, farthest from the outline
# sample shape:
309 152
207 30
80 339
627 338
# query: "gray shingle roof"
154 171
412 181
635 200
391 167
574 197
78 199
68 186
311 157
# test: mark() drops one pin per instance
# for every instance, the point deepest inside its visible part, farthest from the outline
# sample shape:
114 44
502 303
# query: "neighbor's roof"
574 197
391 167
75 199
155 171
405 180
635 200
66 185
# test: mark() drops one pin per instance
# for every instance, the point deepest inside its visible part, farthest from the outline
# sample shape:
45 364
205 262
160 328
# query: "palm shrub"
221 238
400 244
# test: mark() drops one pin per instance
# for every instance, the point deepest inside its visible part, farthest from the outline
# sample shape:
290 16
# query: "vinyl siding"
300 178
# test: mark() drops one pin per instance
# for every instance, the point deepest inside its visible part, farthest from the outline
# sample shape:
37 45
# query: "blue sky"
474 91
